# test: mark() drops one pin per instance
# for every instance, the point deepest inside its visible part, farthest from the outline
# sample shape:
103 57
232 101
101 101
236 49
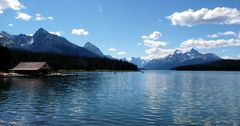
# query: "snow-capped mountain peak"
180 58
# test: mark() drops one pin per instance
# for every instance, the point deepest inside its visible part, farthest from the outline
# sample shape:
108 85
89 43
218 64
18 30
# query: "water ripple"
124 98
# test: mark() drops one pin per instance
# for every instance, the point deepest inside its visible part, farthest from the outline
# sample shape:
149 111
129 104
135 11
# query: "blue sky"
126 28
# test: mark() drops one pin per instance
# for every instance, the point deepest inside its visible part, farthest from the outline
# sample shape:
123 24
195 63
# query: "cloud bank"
112 49
156 48
218 15
227 33
23 16
12 4
207 44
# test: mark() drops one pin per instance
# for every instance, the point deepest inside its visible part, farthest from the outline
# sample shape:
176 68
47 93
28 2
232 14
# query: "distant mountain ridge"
94 49
43 41
138 61
178 58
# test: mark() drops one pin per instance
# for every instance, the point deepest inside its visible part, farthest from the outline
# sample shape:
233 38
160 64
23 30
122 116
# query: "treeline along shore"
10 58
220 65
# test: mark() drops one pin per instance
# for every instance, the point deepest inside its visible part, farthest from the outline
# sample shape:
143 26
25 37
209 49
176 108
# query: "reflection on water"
128 98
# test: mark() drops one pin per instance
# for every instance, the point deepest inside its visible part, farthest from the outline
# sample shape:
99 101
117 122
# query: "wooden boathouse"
32 68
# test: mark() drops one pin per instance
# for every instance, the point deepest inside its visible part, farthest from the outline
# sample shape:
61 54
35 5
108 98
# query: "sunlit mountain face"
177 58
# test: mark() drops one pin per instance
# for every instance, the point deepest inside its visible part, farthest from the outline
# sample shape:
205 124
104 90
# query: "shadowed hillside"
10 58
5 58
221 65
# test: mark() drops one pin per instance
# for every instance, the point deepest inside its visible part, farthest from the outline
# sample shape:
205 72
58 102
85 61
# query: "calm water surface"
127 98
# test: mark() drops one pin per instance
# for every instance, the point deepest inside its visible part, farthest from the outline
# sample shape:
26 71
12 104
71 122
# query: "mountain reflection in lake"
128 98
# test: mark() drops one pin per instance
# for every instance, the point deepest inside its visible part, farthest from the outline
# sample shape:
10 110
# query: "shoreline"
62 71
59 73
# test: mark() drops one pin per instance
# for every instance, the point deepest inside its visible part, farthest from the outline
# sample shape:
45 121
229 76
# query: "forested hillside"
10 58
221 65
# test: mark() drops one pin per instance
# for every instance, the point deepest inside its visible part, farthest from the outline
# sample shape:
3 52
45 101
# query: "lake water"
124 98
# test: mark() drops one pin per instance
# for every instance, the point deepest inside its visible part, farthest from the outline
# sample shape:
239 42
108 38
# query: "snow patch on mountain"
181 58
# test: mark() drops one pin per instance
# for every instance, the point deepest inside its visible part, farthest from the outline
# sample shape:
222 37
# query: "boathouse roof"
31 66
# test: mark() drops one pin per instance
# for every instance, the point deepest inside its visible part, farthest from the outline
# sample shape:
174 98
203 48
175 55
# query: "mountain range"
43 41
176 59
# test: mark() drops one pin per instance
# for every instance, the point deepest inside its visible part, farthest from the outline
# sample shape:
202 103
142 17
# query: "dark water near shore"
128 98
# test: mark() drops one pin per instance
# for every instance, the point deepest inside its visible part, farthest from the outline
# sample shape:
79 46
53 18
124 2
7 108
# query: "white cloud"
218 15
112 49
39 17
80 32
50 18
13 4
230 33
23 16
151 40
154 36
154 44
10 25
156 53
201 43
144 37
227 33
121 53
58 33
213 36
156 49
227 57
230 57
